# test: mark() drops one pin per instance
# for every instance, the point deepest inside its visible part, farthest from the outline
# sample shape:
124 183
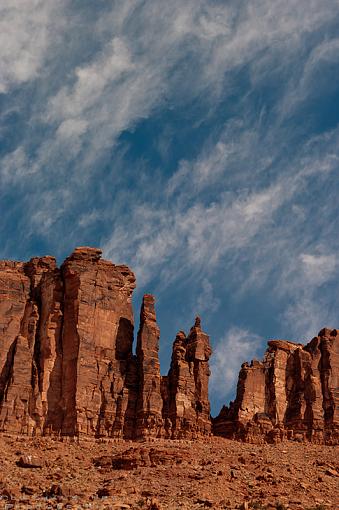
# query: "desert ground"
43 473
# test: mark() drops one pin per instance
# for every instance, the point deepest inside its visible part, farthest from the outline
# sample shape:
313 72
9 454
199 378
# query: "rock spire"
66 355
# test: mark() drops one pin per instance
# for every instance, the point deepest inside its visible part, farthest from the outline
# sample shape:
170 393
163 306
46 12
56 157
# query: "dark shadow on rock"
124 339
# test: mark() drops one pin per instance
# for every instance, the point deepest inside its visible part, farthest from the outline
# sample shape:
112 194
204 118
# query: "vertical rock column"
97 345
49 353
198 353
298 394
47 296
181 389
15 291
188 408
149 406
280 374
329 368
22 406
304 413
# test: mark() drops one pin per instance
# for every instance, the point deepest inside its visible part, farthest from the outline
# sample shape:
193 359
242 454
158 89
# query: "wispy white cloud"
228 157
260 237
149 52
318 269
317 78
196 237
91 81
237 346
27 28
207 301
241 213
302 279
14 166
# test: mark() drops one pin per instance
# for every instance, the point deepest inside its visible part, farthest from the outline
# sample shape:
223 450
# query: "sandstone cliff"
66 355
67 365
292 394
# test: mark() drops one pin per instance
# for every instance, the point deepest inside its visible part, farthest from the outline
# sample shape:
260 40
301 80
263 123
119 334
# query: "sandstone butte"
67 366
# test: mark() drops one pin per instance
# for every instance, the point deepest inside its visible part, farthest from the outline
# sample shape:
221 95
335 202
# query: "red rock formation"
149 406
66 360
67 366
97 344
24 402
185 389
293 393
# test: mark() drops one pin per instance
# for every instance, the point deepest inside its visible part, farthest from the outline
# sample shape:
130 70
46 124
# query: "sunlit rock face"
66 355
149 421
292 394
66 346
187 408
97 343
67 365
30 345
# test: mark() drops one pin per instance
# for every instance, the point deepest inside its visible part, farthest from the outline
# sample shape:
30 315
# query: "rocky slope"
67 365
166 475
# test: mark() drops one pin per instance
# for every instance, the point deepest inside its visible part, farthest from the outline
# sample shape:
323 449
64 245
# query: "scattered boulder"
331 472
30 461
104 492
149 457
54 491
8 494
154 505
29 491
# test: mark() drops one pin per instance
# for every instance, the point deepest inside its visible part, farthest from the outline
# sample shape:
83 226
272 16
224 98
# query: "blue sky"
197 142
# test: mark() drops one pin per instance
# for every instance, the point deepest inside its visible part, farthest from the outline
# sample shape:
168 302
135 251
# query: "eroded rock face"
28 388
67 365
292 393
97 344
149 405
185 389
66 360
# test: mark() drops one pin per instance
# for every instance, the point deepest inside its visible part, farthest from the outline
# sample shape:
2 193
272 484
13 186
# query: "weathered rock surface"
293 393
30 461
185 389
97 342
30 309
66 355
66 359
67 365
150 403
143 457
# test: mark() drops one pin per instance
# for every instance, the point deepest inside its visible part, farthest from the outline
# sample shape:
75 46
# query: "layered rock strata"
293 393
66 355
